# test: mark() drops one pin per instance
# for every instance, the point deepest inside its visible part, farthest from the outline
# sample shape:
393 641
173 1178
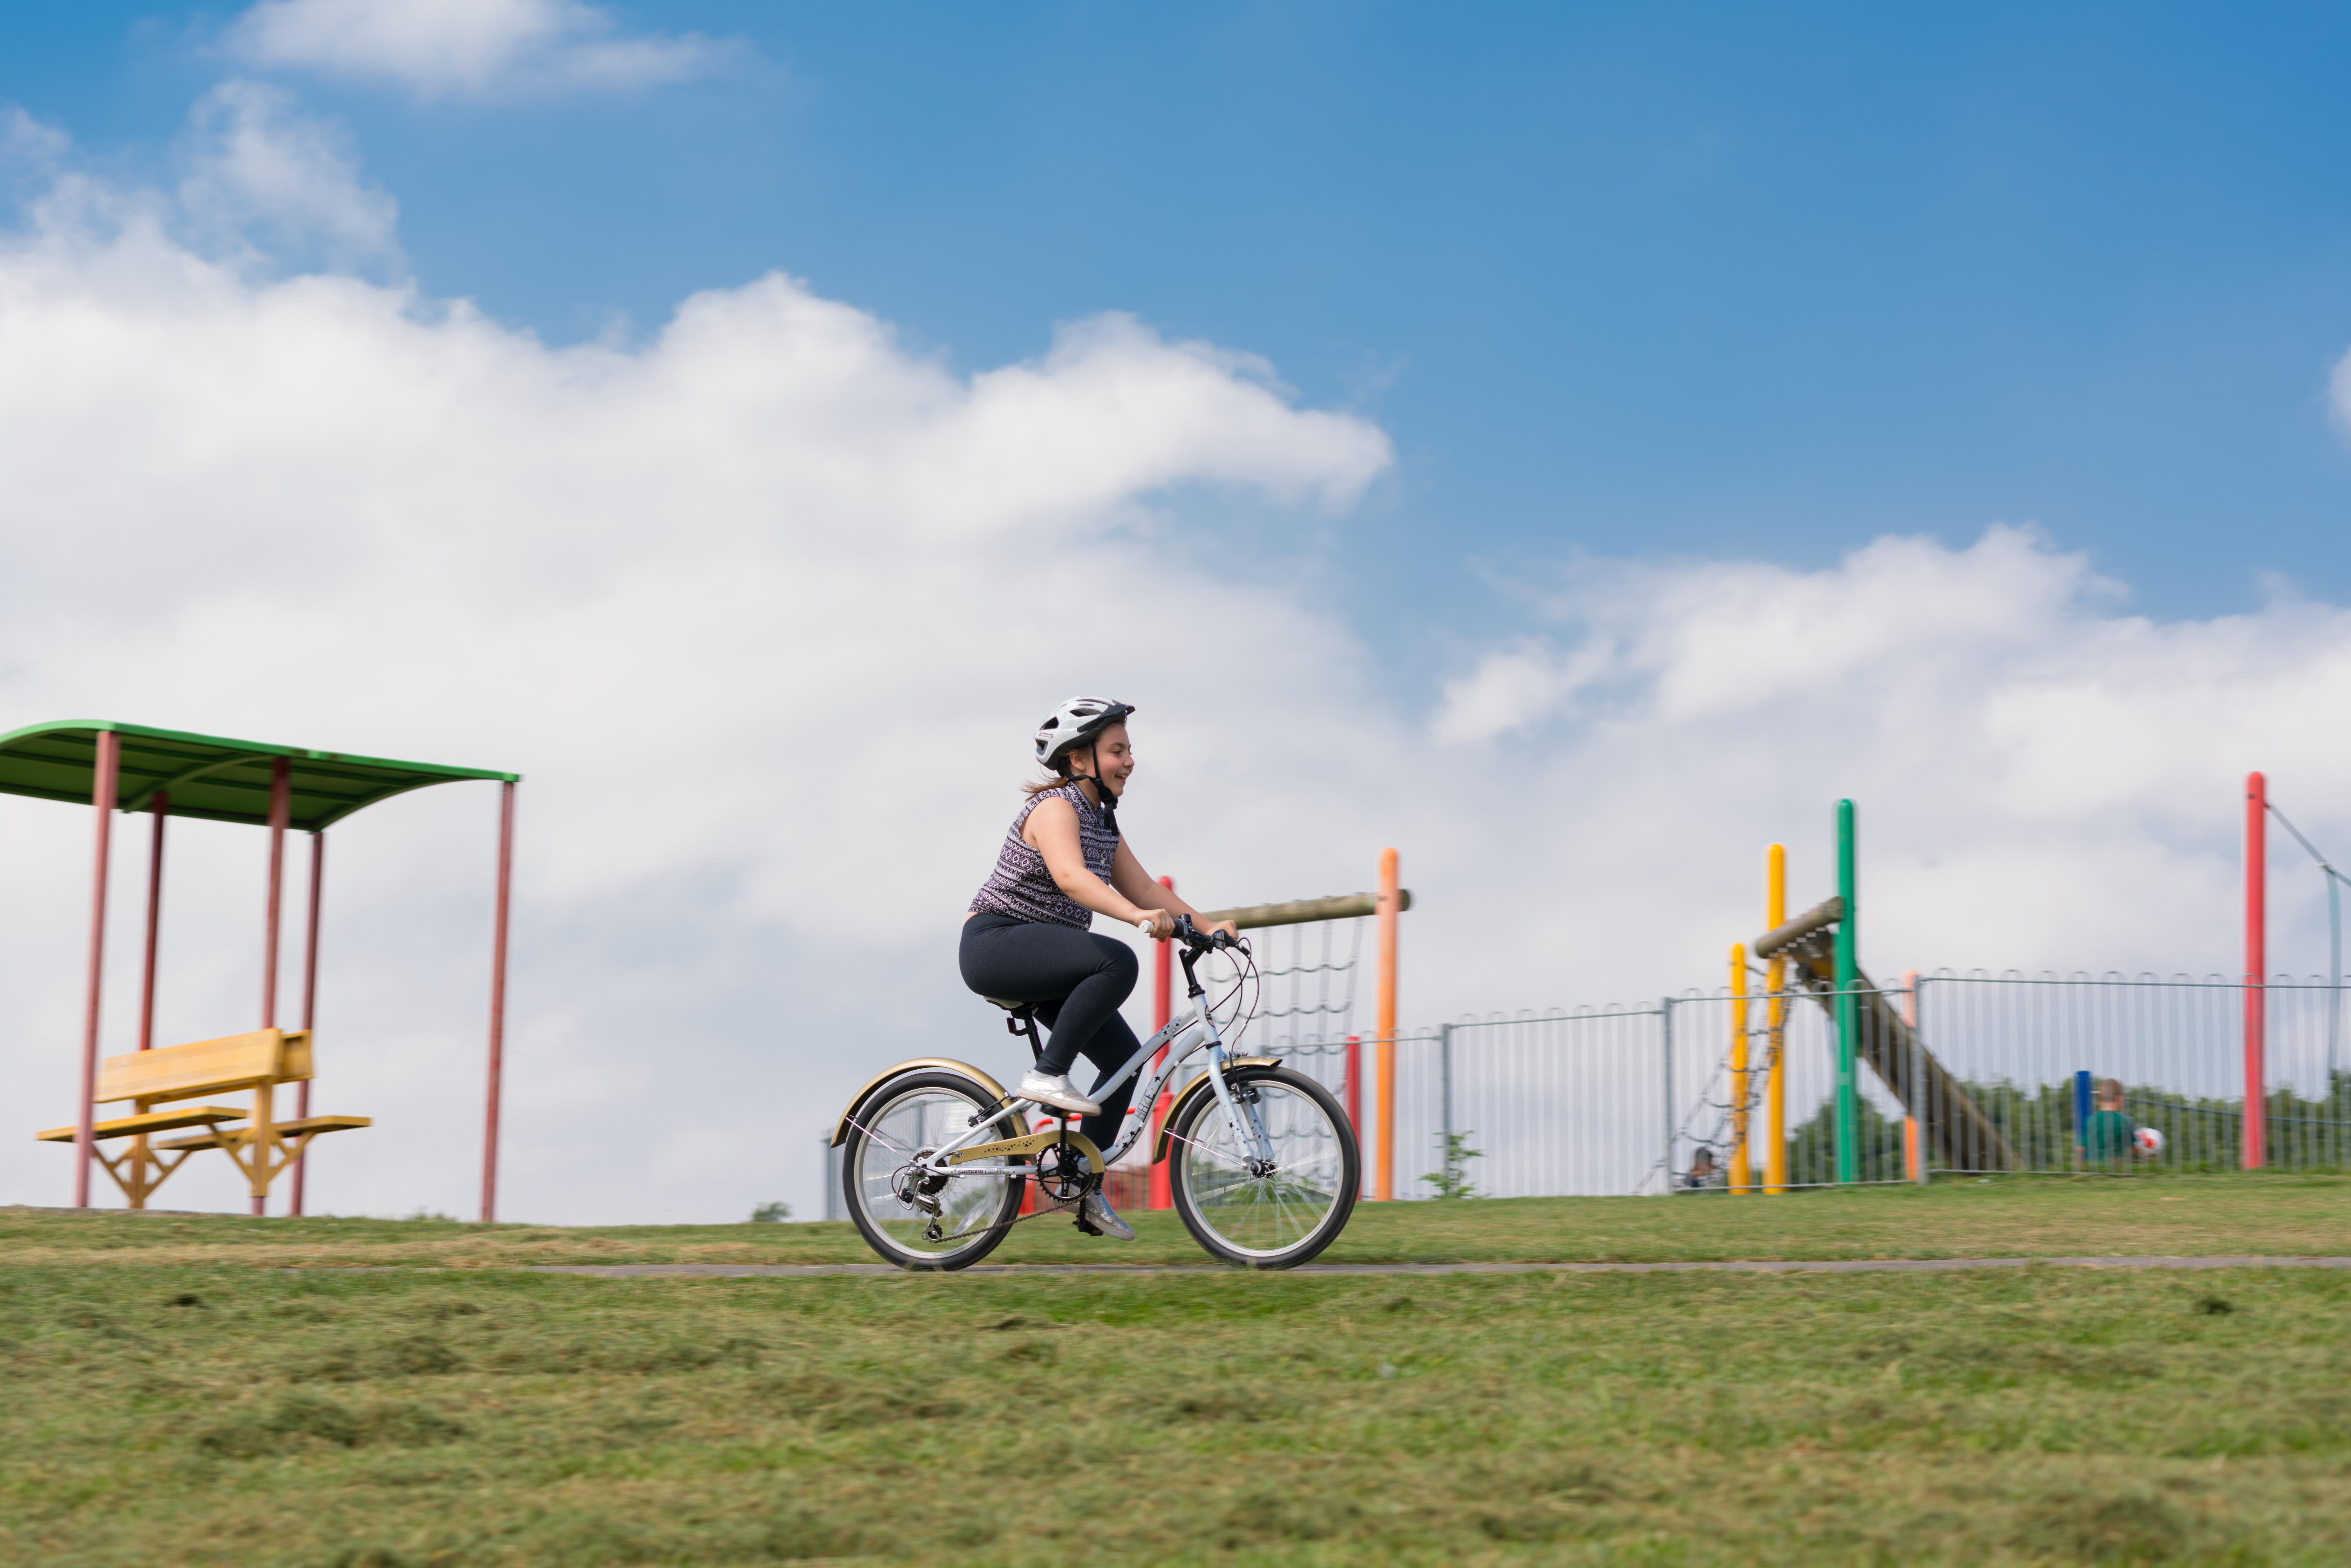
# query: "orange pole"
1384 1170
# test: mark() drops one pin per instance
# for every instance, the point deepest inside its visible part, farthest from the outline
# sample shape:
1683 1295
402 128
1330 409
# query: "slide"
1953 1126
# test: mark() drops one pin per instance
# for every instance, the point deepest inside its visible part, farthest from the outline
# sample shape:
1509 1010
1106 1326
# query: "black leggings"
1077 979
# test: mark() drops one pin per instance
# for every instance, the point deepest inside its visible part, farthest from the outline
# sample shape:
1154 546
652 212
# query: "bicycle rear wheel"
1239 1207
953 1221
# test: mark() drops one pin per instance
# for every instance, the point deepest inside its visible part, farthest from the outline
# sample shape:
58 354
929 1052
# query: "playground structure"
1933 1074
1967 1073
126 767
1382 907
1820 947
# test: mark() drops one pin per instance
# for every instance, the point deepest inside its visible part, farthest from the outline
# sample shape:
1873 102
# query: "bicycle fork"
1248 1127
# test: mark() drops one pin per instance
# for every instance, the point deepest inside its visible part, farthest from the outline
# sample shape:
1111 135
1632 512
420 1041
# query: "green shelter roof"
204 776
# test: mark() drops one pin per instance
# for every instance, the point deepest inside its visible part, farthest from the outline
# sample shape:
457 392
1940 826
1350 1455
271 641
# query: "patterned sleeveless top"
1022 888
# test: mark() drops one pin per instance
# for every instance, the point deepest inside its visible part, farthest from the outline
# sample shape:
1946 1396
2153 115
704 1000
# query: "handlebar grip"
1149 928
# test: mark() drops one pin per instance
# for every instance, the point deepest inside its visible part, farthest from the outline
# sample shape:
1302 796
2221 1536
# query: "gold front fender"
841 1128
1199 1086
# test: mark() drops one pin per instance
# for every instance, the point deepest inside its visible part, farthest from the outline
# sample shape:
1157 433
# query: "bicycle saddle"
1007 1007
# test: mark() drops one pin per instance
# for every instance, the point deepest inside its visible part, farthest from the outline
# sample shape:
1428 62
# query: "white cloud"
766 608
265 179
466 46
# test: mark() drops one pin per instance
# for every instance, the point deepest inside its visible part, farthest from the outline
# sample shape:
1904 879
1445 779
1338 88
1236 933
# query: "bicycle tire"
869 1156
1226 1211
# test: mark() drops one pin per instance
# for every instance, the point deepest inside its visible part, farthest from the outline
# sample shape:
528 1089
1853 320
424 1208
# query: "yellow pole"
1741 1175
1775 1017
1384 1170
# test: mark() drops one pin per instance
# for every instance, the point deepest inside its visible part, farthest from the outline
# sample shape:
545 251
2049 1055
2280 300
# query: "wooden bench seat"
261 1147
229 1137
153 1122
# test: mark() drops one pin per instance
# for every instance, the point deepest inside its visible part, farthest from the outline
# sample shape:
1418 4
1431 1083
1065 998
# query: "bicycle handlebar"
1203 942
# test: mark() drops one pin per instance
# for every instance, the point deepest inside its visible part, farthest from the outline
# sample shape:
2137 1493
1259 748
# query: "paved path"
1844 1266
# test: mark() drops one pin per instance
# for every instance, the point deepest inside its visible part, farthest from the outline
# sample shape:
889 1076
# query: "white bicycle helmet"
1075 721
1072 725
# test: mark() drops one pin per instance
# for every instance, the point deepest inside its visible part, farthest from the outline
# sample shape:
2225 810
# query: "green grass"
194 1416
172 1392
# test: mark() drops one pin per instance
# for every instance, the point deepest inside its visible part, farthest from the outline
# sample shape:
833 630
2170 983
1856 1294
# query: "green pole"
1848 1003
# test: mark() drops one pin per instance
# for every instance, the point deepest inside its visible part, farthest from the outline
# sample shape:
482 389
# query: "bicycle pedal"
1080 1223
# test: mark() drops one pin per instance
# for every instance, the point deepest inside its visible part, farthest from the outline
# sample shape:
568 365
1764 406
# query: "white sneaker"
1054 1089
1097 1212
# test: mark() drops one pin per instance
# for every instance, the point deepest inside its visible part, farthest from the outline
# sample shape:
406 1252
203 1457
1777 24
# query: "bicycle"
1266 1176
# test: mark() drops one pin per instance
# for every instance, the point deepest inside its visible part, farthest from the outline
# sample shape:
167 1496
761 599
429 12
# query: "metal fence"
1994 1077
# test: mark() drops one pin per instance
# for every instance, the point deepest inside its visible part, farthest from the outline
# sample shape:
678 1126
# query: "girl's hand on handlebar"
1156 924
1225 928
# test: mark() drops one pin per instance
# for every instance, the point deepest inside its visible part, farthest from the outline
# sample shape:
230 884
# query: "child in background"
2108 1137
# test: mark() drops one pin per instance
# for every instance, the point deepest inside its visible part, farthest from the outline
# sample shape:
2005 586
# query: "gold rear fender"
841 1128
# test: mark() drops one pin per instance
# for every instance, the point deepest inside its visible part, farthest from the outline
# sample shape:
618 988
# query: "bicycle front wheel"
948 1221
1248 1208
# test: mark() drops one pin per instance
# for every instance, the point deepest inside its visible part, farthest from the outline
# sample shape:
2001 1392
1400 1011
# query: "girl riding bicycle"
1028 935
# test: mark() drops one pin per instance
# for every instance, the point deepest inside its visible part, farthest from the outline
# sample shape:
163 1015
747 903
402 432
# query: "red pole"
281 808
281 801
161 805
309 1005
103 776
498 1004
1354 1075
2256 967
1162 1009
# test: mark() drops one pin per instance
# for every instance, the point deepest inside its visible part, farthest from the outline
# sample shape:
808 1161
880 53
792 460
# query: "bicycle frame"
1184 1037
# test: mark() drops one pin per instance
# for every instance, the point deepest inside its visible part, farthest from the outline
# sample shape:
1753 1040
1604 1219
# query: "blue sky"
1708 280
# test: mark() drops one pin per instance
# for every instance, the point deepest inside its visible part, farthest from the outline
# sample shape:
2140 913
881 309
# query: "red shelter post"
1163 1007
497 1003
2256 969
309 1008
161 806
281 809
104 775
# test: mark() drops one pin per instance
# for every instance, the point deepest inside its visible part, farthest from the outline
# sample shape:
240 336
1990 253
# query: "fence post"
1775 1015
1666 1038
2256 969
2082 1118
1848 1004
1444 1101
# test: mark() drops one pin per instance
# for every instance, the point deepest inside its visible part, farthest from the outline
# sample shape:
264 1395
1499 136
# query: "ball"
2149 1140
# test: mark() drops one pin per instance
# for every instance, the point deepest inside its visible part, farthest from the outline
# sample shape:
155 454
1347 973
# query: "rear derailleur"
919 1189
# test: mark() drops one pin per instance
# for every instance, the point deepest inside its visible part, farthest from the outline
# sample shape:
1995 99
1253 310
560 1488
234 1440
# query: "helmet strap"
1102 789
1106 801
